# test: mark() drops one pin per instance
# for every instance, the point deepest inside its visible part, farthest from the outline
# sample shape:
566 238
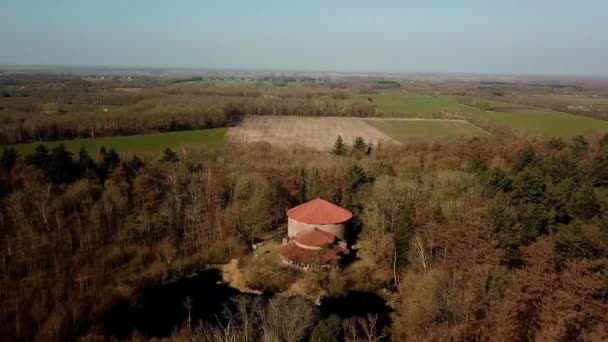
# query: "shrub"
268 275
429 298
328 330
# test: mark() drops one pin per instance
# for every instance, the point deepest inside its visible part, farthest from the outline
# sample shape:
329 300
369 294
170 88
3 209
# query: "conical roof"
319 211
295 253
315 238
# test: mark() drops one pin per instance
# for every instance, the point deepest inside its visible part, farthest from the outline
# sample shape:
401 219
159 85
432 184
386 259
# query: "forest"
497 237
303 171
43 109
486 239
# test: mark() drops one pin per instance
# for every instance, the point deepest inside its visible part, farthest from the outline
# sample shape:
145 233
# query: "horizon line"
295 70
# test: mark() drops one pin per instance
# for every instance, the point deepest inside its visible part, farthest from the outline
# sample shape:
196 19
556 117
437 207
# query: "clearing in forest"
321 132
315 132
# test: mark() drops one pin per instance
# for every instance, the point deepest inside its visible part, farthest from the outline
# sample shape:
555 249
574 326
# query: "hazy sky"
487 36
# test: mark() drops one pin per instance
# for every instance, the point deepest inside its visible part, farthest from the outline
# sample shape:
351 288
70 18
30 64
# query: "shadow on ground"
358 304
158 311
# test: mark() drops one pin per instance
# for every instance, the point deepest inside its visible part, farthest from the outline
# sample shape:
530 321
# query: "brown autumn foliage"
86 109
482 258
72 251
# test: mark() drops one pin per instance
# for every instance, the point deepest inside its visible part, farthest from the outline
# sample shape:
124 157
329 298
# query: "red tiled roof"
315 238
303 256
319 211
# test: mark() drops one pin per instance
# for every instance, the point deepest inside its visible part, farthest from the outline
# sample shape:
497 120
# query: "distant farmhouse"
316 233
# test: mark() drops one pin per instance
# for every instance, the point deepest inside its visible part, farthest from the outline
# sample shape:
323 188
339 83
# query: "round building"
319 214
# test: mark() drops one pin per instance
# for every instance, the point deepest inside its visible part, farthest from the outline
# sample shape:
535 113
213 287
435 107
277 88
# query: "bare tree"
289 319
364 329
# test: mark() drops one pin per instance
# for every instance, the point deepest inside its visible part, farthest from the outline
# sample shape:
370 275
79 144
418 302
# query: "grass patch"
399 102
219 83
137 143
408 130
531 121
545 124
267 273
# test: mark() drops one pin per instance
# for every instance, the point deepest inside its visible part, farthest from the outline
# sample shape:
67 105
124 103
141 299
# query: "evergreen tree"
61 167
556 144
86 165
133 166
339 147
169 156
402 238
476 158
579 145
478 164
39 158
528 158
584 203
9 158
359 146
562 168
328 330
599 172
571 244
534 219
109 161
368 149
530 185
604 141
357 177
58 163
498 180
604 145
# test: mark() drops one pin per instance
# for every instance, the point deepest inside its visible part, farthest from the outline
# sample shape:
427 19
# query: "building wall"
294 227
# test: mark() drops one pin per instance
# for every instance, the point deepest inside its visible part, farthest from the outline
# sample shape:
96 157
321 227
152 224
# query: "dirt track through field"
314 132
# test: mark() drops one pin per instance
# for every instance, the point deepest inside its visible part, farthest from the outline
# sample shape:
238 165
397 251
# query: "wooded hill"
482 240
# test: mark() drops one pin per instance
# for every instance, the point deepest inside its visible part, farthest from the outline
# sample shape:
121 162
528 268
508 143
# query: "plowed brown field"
314 132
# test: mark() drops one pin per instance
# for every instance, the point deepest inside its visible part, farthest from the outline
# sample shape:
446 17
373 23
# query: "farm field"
137 143
547 124
430 129
320 133
521 118
398 102
315 132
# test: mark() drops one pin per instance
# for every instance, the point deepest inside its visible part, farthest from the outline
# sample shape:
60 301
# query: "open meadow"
548 124
408 130
154 142
522 119
399 103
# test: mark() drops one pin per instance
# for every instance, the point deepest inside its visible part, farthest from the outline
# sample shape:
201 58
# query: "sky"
470 36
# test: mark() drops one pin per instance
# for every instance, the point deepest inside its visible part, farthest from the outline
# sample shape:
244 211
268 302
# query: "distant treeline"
48 108
299 107
143 118
170 110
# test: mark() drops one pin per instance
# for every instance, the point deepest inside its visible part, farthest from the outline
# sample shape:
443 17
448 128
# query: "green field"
549 124
408 130
398 102
532 121
155 142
